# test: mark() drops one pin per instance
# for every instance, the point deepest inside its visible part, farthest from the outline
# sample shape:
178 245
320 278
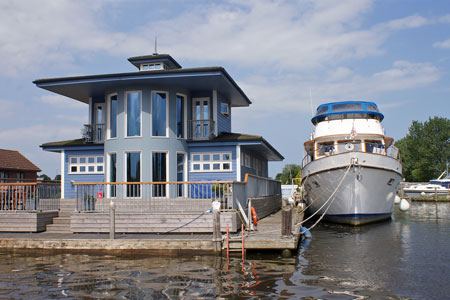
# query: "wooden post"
286 221
112 220
217 236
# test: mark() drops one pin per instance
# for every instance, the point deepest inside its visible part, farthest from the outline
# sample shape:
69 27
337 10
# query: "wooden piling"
286 221
217 236
112 220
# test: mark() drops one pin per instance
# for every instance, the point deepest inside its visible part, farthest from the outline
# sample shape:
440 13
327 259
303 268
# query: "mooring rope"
330 199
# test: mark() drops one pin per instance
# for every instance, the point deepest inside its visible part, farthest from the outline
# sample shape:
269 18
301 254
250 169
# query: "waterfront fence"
169 197
153 196
30 196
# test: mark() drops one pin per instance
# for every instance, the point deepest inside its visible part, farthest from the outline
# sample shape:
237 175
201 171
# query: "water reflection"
407 257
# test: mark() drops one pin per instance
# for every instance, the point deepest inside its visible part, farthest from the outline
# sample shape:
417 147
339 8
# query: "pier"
268 237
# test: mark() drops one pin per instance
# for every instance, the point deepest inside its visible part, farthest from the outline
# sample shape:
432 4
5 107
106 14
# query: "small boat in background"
422 190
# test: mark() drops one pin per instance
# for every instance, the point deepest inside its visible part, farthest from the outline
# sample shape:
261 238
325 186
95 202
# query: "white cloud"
292 93
442 44
62 102
284 35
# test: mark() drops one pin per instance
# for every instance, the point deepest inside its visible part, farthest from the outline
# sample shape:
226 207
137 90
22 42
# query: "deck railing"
153 196
172 196
29 196
93 133
200 129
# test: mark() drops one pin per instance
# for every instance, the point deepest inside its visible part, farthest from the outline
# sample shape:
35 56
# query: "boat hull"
367 191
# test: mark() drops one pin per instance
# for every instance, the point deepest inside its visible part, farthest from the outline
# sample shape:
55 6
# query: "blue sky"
393 52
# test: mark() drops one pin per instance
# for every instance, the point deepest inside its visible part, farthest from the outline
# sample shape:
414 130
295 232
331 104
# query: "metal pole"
112 220
217 237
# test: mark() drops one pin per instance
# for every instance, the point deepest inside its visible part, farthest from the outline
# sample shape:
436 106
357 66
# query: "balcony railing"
93 133
200 129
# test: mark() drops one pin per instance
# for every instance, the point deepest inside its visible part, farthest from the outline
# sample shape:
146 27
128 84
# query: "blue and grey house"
163 123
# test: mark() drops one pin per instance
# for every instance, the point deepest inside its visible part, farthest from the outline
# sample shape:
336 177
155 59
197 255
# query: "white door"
99 124
202 117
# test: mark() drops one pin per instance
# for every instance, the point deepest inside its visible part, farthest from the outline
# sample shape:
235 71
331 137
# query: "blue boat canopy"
347 109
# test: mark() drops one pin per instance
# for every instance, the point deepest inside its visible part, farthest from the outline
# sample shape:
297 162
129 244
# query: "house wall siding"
69 188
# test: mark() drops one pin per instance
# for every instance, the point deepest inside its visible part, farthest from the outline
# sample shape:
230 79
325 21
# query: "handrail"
180 182
28 183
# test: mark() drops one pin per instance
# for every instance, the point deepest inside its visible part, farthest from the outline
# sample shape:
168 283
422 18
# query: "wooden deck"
267 237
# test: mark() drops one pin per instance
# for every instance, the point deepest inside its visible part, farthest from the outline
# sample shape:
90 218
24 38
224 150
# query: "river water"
406 258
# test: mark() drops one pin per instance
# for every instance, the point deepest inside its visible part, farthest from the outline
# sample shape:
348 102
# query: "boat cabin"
342 127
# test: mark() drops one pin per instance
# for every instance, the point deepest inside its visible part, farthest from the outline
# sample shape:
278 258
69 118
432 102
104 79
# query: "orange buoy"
254 216
100 195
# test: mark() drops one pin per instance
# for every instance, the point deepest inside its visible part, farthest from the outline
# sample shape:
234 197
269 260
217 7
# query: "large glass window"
133 113
180 116
113 106
159 172
112 173
159 114
133 160
180 173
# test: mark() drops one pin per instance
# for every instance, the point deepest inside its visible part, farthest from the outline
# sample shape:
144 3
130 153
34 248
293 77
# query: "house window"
224 109
211 162
85 164
153 67
180 174
112 173
133 173
3 177
133 105
159 114
113 108
159 171
247 160
20 176
180 116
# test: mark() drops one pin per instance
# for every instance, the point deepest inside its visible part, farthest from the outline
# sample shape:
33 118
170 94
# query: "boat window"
371 107
347 107
346 146
326 148
375 147
322 110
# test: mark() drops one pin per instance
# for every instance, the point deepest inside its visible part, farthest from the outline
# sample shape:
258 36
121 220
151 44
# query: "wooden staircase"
61 224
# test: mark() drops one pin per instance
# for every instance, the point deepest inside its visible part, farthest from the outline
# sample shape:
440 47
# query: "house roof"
77 142
166 58
82 88
248 141
14 160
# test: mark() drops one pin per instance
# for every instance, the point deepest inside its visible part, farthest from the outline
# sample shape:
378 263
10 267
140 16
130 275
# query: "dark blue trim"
363 111
358 215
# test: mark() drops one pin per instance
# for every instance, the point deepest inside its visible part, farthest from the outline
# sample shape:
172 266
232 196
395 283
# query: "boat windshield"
347 110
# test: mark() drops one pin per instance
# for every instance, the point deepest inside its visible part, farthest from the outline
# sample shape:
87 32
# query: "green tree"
44 177
425 150
57 178
289 172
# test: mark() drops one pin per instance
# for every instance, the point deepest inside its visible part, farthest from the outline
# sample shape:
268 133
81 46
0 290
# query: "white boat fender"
397 199
404 205
423 194
306 233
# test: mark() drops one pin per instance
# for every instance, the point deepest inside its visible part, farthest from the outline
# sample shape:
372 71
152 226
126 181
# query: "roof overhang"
82 88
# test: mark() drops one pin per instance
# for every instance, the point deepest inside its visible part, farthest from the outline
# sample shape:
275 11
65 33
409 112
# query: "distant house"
14 167
162 123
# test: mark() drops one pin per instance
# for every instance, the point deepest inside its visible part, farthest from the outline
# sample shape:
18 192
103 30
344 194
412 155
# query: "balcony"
200 129
93 133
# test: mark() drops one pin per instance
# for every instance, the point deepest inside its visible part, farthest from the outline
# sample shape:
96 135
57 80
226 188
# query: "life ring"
254 217
349 146
100 195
